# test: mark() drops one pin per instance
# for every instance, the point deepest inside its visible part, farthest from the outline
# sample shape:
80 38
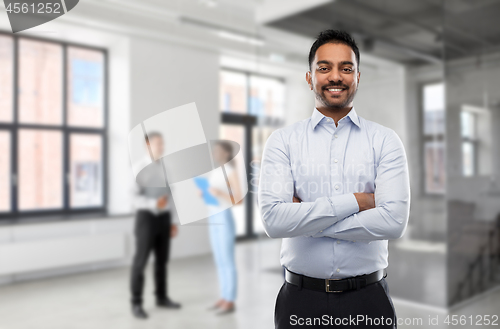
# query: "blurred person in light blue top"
222 227
335 187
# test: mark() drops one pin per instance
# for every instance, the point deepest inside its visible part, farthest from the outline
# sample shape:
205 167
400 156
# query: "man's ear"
309 79
359 76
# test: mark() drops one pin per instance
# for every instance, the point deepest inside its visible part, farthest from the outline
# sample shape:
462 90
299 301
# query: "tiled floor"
99 300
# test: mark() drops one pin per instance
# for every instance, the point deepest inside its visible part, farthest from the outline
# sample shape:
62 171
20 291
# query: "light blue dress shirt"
326 236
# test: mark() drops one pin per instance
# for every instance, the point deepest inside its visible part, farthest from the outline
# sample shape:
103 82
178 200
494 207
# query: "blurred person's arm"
174 230
281 217
389 218
144 202
141 201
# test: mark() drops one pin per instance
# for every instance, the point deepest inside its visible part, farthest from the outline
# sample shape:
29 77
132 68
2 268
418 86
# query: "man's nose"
335 76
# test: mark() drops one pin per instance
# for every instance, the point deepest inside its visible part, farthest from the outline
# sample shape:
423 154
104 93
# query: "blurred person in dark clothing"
153 229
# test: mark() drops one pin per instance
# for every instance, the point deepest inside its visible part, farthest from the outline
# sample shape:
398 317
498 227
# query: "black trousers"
152 233
368 307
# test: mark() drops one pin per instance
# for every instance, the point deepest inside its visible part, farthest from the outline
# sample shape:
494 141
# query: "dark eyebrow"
324 62
330 63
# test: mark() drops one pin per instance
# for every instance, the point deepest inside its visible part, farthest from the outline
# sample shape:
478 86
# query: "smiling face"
334 76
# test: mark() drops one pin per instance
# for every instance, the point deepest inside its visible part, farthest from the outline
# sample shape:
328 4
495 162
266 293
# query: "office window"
233 92
237 133
245 93
252 106
40 166
52 128
6 78
267 97
468 132
433 135
85 87
260 135
5 158
40 82
86 170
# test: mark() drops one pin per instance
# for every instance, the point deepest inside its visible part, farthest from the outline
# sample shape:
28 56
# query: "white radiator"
48 254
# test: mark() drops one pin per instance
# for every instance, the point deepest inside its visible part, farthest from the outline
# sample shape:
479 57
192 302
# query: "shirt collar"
317 116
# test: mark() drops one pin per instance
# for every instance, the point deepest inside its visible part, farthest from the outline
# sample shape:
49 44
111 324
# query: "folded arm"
281 217
389 218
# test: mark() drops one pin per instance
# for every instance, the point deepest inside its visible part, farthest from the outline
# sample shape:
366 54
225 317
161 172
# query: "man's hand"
162 202
365 200
296 200
174 230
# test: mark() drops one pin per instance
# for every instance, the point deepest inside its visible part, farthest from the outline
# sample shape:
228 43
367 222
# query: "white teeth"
335 89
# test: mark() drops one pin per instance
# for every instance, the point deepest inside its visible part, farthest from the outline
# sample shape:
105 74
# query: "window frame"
13 127
424 138
474 141
249 121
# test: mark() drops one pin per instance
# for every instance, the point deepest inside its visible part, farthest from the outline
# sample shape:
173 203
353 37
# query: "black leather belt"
334 285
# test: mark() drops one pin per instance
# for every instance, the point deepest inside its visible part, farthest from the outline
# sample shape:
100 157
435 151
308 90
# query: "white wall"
299 98
381 95
166 75
37 250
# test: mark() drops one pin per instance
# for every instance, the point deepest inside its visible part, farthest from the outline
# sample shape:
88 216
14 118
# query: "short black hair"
333 36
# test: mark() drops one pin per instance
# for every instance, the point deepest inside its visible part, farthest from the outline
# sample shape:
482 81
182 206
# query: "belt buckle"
327 282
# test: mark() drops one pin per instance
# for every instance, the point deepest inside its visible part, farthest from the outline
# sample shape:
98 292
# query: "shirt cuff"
344 205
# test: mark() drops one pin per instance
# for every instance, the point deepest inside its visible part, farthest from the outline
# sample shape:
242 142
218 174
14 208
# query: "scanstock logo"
25 14
183 166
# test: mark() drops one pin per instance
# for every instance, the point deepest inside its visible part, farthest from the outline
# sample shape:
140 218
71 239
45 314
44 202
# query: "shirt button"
338 241
337 187
338 270
336 160
328 119
336 136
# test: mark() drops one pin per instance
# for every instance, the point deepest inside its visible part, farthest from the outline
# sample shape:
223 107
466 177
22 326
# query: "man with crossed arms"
335 187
